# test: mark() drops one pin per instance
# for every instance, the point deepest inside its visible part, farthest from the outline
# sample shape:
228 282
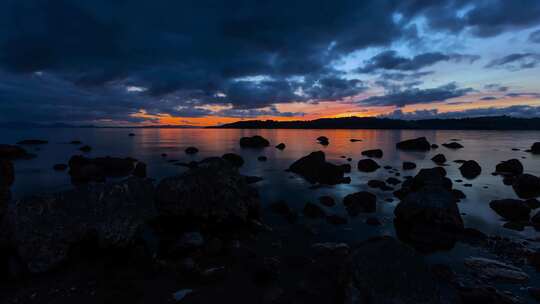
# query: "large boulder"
509 167
213 191
256 141
511 209
417 144
367 165
375 153
83 169
315 169
470 169
13 152
535 148
360 202
44 228
386 271
527 186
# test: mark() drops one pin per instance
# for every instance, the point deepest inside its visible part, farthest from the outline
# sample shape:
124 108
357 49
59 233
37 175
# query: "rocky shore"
201 236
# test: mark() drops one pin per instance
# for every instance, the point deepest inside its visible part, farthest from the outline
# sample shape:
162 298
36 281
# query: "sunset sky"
122 62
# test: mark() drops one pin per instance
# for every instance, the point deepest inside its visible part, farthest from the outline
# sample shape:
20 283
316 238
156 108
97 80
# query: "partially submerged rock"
527 186
470 169
535 148
85 148
313 211
375 153
367 165
214 191
14 152
323 140
453 145
408 165
83 169
315 169
256 141
31 142
510 167
511 209
235 159
360 202
44 228
439 159
281 146
417 144
191 150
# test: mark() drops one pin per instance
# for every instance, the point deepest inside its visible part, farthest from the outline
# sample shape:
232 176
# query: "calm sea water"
486 147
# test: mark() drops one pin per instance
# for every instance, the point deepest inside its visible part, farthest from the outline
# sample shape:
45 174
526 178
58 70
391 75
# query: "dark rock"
85 148
327 201
467 185
511 209
458 194
533 203
483 294
459 161
376 153
367 165
191 150
13 152
83 169
163 154
323 140
439 159
315 169
517 226
387 167
527 186
7 173
355 140
46 227
393 181
533 291
417 144
346 168
33 142
373 221
386 271
335 219
408 165
282 208
75 142
434 146
253 179
360 202
214 192
470 169
510 167
281 146
375 183
254 142
453 145
60 167
535 148
235 159
262 158
140 170
349 159
313 211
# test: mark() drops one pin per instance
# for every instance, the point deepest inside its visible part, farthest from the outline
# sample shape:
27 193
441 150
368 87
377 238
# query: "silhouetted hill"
476 123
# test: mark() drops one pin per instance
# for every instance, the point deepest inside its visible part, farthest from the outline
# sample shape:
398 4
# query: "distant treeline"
473 123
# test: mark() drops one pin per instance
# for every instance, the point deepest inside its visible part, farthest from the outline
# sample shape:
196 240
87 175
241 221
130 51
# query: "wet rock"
235 159
458 194
254 142
164 155
140 170
408 165
323 140
376 153
360 202
493 270
355 140
527 186
335 219
214 192
367 165
511 167
253 179
393 181
281 146
349 159
386 271
315 169
31 142
439 159
262 158
60 167
85 148
331 249
131 134
470 169
453 145
327 201
45 228
417 144
313 211
535 148
14 152
346 168
282 208
83 169
533 203
511 209
191 150
434 146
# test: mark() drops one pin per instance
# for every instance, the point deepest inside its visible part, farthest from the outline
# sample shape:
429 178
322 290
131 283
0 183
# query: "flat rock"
417 144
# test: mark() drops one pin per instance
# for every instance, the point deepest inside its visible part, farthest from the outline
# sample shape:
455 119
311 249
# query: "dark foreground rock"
535 148
256 141
44 228
31 142
315 169
83 169
367 165
386 271
408 165
360 202
375 153
527 186
510 167
470 169
235 159
439 159
213 191
7 177
417 144
14 152
511 209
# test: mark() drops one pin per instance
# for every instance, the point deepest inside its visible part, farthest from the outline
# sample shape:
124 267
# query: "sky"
203 62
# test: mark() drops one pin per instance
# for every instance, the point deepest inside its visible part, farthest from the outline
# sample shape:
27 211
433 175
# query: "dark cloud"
535 37
496 87
390 60
516 61
417 96
250 113
514 111
489 98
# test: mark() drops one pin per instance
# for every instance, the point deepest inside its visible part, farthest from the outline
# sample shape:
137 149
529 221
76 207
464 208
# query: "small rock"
360 202
331 249
326 200
367 165
408 165
470 169
313 211
85 148
191 150
235 159
281 146
262 158
376 153
254 142
453 145
335 219
439 159
510 167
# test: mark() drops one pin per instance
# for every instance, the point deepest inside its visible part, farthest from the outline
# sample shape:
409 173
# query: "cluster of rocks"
315 169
